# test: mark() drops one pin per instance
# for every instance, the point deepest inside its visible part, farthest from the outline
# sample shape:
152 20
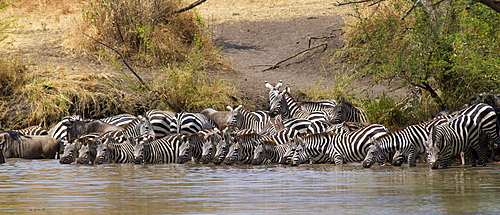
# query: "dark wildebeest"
16 145
79 128
221 118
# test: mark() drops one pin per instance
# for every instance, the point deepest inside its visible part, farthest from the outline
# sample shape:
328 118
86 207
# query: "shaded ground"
254 35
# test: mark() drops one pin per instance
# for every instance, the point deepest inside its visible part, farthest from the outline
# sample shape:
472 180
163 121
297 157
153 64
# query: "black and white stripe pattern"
447 140
189 123
248 120
33 130
346 112
112 151
407 141
241 150
164 150
192 146
269 152
339 148
160 120
119 120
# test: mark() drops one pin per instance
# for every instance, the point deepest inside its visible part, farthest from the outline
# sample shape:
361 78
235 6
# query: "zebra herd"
290 133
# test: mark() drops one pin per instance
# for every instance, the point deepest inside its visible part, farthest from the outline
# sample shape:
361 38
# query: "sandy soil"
254 35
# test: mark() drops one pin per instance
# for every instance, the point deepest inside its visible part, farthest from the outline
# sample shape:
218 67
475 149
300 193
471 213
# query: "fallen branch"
295 55
351 2
123 59
191 6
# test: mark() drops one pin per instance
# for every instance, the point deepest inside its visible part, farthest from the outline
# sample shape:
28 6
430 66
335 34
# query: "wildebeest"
79 128
16 145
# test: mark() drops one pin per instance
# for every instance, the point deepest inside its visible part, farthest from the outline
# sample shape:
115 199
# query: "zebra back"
160 120
119 120
345 111
33 130
188 123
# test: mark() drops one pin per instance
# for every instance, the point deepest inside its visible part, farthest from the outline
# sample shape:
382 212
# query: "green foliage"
455 53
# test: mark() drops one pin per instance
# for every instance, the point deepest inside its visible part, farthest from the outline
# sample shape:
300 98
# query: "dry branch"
123 59
191 6
295 55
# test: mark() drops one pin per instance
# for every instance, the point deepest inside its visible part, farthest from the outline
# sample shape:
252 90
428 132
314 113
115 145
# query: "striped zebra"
164 150
241 150
269 152
88 148
119 120
189 123
192 146
140 126
346 112
113 151
486 119
243 119
307 106
70 153
450 139
208 149
33 130
222 148
160 120
407 141
60 132
286 106
339 148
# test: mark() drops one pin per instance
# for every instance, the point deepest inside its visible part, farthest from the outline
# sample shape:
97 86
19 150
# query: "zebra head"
70 153
299 156
258 154
233 121
101 153
433 151
140 143
88 149
289 152
374 153
208 147
275 97
233 153
185 149
222 148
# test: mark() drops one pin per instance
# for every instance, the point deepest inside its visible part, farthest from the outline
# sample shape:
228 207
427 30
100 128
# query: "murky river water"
45 186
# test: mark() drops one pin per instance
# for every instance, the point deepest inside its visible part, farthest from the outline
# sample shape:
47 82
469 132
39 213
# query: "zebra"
164 150
339 148
243 119
486 119
347 112
60 132
119 120
33 130
452 138
307 106
208 148
113 151
241 150
138 127
88 148
188 123
286 106
160 120
222 148
192 145
269 152
409 140
70 153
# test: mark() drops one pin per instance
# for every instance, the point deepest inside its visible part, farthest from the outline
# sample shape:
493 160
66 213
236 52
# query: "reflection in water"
45 185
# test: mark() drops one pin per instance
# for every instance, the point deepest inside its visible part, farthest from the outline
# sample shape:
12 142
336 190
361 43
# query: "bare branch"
191 6
411 9
123 59
493 4
295 55
351 2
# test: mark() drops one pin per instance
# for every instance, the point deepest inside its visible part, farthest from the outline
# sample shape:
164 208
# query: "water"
47 187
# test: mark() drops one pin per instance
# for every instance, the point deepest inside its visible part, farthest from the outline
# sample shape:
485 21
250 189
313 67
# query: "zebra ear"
279 84
229 108
374 141
268 86
238 108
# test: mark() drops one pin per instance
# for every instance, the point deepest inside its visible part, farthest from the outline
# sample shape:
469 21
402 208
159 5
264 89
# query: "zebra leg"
338 159
412 159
